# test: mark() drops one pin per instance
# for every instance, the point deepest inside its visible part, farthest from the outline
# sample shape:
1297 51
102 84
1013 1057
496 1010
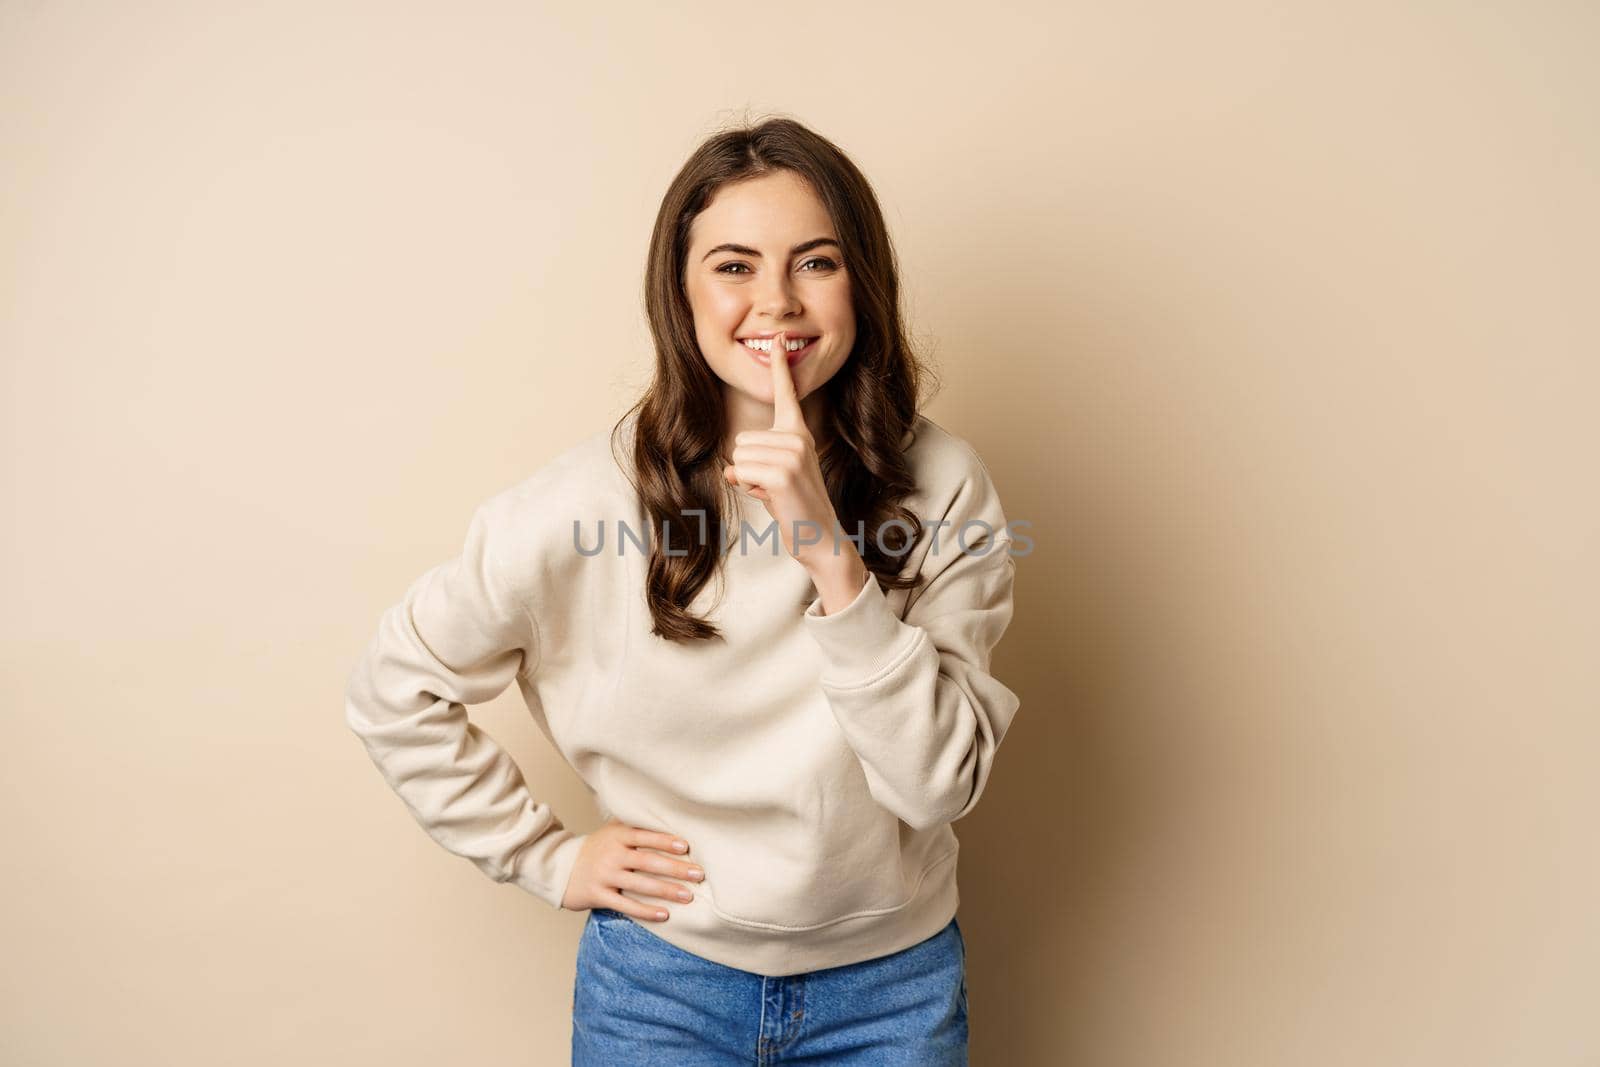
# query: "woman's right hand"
614 857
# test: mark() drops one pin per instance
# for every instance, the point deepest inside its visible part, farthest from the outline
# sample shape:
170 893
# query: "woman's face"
782 270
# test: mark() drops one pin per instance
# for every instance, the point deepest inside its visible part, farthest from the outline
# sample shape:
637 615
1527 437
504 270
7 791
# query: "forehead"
779 208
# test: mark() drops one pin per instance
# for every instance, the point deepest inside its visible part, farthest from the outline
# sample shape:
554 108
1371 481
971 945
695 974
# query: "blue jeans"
639 999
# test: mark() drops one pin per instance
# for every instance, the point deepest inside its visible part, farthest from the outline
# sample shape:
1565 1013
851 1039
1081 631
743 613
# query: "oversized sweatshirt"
813 762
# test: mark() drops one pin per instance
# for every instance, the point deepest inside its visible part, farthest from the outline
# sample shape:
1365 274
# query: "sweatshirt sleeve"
914 696
460 636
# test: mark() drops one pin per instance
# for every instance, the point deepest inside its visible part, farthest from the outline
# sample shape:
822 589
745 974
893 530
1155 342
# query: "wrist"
838 577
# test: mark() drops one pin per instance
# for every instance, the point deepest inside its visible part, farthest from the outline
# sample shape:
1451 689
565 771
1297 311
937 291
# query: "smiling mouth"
764 344
762 355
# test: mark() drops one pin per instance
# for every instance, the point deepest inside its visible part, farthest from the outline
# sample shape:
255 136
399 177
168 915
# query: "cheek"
713 315
842 320
841 311
719 310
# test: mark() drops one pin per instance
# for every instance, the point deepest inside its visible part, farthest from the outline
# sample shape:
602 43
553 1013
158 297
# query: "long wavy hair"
872 400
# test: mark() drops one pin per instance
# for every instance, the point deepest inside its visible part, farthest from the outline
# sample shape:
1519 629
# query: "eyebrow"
745 250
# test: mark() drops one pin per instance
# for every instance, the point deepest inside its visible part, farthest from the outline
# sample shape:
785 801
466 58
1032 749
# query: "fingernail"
681 846
696 872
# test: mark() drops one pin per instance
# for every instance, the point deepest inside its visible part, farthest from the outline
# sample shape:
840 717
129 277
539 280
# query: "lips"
764 358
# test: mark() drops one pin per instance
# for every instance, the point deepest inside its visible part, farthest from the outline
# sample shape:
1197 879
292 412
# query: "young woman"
756 616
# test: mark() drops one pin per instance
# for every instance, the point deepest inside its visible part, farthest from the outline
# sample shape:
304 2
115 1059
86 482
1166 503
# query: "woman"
781 752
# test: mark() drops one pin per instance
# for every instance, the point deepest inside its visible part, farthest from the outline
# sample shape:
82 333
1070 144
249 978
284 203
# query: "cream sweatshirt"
813 762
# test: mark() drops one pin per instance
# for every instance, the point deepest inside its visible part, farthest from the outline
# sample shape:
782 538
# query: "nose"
776 296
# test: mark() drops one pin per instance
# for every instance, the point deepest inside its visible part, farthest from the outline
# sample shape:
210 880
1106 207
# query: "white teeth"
766 345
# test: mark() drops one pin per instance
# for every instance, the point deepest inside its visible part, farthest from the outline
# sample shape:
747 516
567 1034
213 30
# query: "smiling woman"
781 762
766 229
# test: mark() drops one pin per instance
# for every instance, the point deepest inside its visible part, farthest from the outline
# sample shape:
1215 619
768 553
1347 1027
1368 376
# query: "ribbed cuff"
863 641
545 867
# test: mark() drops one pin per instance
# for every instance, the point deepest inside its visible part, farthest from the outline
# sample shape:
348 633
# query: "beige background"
1275 319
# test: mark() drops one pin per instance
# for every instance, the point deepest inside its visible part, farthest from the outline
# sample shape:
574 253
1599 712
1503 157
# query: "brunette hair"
872 400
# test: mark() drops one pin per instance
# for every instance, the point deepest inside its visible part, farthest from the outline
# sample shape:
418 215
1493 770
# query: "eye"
824 263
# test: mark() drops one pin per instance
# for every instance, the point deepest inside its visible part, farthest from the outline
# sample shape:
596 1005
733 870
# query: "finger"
676 892
785 405
671 867
641 838
767 439
732 479
629 907
763 475
776 455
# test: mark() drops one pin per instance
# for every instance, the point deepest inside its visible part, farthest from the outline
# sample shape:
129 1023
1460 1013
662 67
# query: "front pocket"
767 888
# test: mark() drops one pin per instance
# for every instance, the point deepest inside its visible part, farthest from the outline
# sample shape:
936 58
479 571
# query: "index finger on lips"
785 404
